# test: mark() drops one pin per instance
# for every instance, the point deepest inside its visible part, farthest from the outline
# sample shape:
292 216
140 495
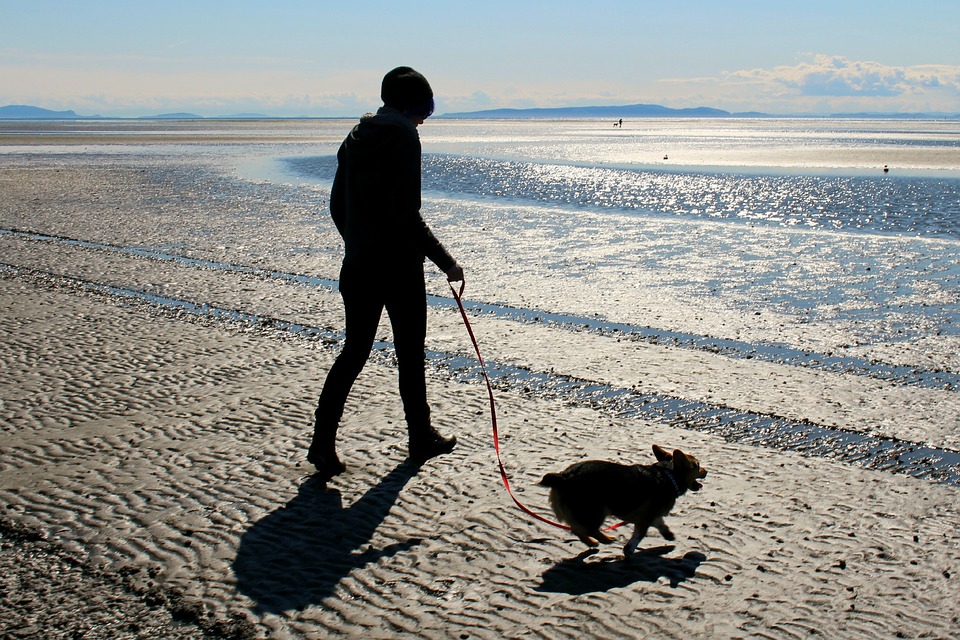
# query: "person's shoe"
430 445
325 461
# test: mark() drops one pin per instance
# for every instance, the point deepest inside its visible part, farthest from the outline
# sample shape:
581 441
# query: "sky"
325 58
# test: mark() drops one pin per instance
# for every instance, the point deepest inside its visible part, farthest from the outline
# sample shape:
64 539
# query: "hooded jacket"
375 200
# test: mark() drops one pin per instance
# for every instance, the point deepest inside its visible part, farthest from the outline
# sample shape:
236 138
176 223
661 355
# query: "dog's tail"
551 480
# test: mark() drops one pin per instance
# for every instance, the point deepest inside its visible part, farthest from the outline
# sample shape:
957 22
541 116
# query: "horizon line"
505 113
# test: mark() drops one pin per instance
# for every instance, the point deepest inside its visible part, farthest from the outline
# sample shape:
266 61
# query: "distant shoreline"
28 113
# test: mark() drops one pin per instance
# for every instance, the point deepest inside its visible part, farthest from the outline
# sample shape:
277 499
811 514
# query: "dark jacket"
375 200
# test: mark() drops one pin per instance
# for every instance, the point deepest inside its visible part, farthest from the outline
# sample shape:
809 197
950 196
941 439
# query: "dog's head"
686 467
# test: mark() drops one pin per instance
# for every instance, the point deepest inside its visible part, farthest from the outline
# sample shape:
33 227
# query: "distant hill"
26 112
247 116
658 111
614 112
173 116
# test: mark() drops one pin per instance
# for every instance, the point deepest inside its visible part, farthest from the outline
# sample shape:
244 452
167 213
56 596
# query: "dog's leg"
663 528
587 540
638 532
584 537
602 537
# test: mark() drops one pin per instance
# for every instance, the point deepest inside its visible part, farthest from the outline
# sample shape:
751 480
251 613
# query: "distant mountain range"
658 111
26 112
615 112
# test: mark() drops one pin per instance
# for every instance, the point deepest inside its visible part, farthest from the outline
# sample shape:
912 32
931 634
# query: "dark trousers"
403 295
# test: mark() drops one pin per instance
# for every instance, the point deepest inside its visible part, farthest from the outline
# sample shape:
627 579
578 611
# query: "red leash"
493 414
493 418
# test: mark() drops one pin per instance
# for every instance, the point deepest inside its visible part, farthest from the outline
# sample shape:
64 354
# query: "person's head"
408 92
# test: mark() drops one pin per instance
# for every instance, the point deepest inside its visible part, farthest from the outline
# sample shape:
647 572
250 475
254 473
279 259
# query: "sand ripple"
197 471
143 439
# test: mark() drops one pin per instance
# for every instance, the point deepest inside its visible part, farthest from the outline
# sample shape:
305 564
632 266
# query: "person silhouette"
375 205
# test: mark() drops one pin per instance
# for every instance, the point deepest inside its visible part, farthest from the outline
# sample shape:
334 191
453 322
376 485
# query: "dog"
585 493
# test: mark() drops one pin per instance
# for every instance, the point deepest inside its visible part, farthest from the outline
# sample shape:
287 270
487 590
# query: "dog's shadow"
297 555
576 576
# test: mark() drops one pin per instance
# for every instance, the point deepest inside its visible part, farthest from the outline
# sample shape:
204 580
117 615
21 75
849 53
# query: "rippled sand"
141 436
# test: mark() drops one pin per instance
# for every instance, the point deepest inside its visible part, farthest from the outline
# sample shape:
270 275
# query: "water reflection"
921 206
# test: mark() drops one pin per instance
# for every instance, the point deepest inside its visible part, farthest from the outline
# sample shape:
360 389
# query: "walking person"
375 204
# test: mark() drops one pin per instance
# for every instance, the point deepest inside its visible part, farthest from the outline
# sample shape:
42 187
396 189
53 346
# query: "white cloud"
836 83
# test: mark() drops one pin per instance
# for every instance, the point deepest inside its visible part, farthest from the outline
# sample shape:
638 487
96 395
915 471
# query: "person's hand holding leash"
455 273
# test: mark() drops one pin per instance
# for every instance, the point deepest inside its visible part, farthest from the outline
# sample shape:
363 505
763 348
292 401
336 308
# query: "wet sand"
162 450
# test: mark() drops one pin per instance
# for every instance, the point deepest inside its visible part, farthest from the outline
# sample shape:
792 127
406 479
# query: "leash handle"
493 413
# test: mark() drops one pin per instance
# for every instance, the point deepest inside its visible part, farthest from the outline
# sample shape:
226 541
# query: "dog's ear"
662 455
680 462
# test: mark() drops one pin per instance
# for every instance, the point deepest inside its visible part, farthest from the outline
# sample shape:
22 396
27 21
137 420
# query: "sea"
828 244
853 223
875 176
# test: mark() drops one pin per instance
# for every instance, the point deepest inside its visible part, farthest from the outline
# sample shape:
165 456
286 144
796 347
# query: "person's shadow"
296 555
577 577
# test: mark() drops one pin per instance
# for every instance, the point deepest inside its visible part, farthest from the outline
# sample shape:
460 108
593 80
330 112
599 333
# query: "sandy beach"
154 417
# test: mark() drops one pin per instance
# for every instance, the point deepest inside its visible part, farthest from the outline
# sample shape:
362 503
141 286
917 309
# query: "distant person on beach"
375 204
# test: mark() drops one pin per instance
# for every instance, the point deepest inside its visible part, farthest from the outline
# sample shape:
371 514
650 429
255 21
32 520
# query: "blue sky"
326 58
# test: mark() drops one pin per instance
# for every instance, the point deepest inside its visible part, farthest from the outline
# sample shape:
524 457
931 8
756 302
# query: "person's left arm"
338 206
410 200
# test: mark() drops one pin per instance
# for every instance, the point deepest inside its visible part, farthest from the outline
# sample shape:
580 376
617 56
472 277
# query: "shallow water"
560 196
918 206
777 243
